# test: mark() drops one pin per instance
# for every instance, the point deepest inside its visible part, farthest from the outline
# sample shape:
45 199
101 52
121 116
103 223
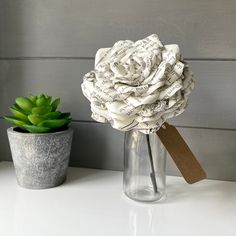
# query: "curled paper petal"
138 85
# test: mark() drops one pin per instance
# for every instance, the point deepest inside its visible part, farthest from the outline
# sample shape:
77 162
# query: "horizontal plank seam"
92 58
207 128
74 120
44 58
210 59
178 126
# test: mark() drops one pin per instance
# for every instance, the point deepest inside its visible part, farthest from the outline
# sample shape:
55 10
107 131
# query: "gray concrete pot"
40 160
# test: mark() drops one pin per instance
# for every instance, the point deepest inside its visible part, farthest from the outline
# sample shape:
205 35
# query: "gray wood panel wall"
47 46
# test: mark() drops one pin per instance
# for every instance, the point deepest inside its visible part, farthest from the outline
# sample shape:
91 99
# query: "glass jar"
144 166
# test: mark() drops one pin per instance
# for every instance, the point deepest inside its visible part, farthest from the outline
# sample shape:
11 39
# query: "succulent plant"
38 114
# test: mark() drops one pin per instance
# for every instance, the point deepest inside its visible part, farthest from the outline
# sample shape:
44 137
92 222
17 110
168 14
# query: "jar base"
145 195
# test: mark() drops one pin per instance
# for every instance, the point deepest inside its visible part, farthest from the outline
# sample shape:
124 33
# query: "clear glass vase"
144 167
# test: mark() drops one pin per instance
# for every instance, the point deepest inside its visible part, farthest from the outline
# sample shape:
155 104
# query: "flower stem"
152 174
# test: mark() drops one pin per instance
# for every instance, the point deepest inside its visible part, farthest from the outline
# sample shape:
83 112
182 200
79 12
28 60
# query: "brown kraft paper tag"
181 154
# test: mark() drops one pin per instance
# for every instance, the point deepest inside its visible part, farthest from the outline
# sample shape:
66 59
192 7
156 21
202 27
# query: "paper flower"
138 85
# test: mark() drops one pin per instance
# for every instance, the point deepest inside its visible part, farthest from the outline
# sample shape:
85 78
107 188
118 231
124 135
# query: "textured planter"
40 160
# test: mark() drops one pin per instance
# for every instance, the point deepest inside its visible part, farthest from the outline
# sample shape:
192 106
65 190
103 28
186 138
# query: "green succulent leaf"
24 103
41 110
65 115
15 121
16 107
49 99
36 129
18 114
53 124
35 119
52 115
33 99
43 100
55 104
38 114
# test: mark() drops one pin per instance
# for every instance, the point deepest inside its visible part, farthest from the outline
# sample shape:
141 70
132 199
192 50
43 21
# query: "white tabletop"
91 203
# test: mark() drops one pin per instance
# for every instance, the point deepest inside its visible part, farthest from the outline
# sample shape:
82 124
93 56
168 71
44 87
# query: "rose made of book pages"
138 85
